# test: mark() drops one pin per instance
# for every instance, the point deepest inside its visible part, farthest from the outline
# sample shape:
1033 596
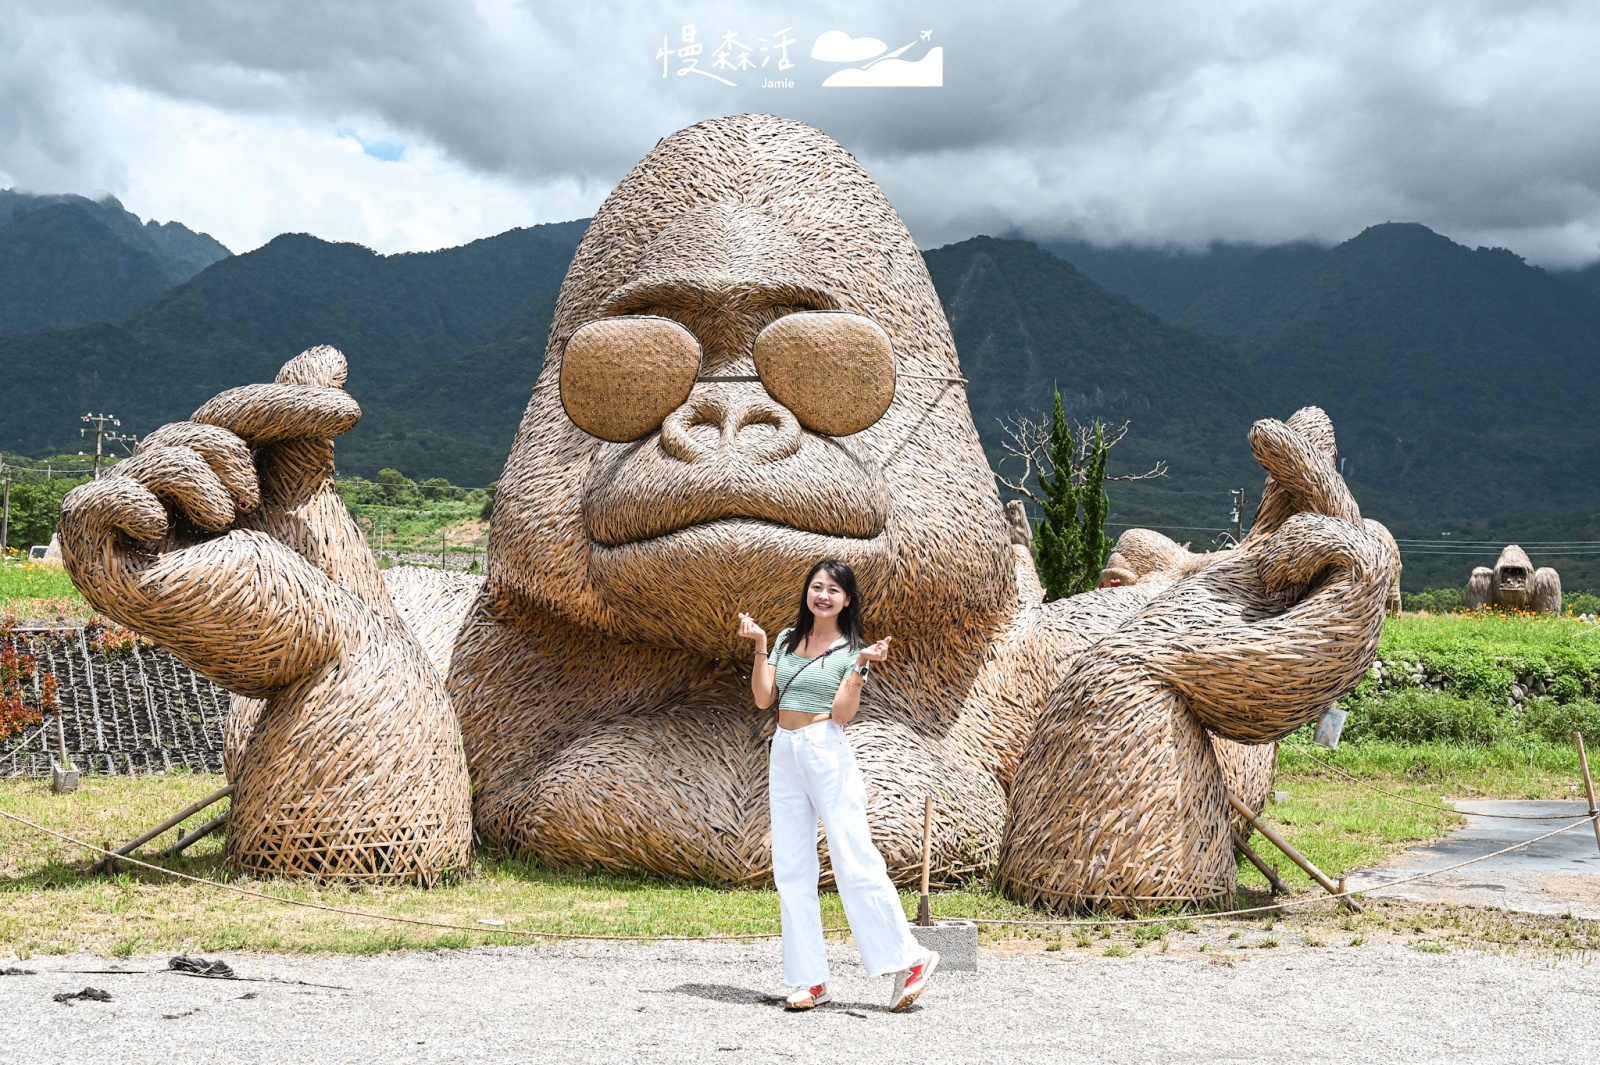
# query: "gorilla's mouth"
638 495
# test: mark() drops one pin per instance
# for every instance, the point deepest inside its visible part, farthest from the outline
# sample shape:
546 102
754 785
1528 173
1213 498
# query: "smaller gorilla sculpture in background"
1514 584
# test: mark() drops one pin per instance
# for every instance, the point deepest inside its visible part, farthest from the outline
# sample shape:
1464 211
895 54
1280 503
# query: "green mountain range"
394 316
1027 323
68 260
1461 381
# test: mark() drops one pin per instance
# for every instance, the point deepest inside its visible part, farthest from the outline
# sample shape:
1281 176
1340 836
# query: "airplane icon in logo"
927 35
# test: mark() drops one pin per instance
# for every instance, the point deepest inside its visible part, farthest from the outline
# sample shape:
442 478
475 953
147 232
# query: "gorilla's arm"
1120 797
224 539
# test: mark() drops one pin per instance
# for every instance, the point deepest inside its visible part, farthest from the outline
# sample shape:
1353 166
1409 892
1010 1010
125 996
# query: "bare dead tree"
1027 439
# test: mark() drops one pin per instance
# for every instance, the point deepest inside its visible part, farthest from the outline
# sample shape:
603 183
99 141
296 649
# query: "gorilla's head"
748 370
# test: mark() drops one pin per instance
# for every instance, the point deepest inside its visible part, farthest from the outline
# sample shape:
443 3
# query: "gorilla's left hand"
1258 640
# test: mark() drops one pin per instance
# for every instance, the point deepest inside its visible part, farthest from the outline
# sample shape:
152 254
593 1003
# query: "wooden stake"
174 820
191 838
924 913
1293 855
1588 784
1278 886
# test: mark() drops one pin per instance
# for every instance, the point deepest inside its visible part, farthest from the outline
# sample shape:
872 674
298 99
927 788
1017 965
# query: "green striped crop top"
810 688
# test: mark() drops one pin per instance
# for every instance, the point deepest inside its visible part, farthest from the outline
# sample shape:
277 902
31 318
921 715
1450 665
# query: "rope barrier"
1212 915
1414 802
1119 922
735 936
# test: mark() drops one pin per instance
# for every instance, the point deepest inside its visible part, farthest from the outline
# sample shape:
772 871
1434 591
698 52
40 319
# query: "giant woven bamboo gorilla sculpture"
748 371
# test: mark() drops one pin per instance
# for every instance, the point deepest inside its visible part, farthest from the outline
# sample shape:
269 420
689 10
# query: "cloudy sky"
418 124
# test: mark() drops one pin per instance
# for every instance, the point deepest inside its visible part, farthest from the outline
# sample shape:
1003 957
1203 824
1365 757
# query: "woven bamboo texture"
603 695
1121 796
223 539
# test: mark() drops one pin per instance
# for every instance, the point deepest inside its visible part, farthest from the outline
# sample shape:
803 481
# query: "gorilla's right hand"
223 537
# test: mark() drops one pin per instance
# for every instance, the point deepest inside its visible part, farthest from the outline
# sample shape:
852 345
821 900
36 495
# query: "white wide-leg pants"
812 774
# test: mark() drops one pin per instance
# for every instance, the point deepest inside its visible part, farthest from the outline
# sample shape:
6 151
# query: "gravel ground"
706 1002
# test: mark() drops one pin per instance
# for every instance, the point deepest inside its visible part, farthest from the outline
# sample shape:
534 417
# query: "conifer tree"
1057 540
1070 543
1065 479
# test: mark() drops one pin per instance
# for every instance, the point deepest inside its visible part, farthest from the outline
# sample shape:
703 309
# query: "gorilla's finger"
183 478
1314 424
1299 468
1308 545
1277 501
226 454
323 365
1141 554
99 511
265 414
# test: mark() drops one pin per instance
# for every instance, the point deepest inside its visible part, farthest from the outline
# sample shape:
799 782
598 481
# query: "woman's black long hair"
849 617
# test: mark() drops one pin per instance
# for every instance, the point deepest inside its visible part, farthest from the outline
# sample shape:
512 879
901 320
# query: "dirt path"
705 1002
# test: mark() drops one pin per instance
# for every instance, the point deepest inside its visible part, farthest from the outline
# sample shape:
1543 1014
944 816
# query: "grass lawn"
33 592
48 904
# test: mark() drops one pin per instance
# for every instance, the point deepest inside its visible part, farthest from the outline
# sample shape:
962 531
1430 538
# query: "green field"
34 592
1461 738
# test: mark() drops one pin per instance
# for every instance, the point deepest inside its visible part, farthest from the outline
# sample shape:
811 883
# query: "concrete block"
62 781
956 942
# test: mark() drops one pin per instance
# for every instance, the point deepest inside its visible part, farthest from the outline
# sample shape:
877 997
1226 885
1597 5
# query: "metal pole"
5 517
442 563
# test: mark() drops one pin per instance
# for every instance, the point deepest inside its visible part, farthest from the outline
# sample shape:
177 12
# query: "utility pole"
5 509
443 564
1238 514
101 434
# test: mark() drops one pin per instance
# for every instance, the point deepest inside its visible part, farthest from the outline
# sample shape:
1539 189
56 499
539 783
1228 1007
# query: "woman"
814 674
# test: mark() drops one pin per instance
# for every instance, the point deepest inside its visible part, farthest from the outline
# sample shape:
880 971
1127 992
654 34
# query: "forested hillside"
239 320
1027 323
68 261
1462 382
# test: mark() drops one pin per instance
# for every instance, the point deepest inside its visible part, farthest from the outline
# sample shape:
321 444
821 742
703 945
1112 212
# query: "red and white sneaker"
911 982
803 998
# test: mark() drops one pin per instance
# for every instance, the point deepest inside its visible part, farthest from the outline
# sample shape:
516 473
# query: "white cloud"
836 46
927 72
1166 122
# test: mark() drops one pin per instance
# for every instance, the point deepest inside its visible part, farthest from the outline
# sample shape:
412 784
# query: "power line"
102 434
1499 543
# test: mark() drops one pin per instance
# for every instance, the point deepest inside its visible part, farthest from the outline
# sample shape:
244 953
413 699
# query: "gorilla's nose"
727 423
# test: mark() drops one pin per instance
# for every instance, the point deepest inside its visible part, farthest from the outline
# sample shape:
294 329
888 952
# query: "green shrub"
1418 715
1555 722
1580 603
1566 688
1435 600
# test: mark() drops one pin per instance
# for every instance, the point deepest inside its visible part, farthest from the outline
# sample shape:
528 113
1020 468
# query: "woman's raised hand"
875 652
749 630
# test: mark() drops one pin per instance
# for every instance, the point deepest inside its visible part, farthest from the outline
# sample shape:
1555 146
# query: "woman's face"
824 596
